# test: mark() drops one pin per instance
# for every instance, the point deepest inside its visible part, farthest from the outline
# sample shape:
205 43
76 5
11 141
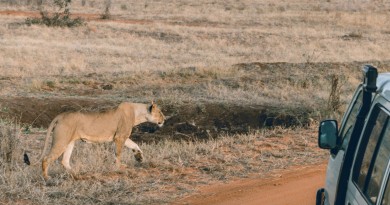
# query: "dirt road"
297 186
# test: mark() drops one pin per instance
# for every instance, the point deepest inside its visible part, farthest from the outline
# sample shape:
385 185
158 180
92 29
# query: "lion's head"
155 115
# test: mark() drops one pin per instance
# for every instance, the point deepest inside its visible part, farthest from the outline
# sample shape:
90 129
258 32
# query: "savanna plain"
243 85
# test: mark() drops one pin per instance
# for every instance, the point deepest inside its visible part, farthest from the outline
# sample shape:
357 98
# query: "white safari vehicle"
358 169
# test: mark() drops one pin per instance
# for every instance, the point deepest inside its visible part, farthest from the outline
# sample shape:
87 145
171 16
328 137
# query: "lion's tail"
49 130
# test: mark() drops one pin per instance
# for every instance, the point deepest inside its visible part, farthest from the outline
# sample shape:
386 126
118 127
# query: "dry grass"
180 52
176 34
171 169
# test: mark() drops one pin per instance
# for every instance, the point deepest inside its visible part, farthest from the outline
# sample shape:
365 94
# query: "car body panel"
336 160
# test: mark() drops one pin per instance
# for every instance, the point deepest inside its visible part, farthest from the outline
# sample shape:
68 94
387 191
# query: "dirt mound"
185 121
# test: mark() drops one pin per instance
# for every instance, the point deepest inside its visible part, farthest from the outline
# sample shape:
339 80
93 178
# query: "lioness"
114 125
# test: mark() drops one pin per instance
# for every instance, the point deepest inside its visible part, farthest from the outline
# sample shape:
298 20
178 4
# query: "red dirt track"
297 186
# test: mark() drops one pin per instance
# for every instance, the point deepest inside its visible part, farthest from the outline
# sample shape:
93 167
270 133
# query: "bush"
11 153
62 18
106 14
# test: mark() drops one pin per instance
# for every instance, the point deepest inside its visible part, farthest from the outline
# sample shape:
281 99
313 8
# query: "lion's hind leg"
135 148
66 157
61 143
54 154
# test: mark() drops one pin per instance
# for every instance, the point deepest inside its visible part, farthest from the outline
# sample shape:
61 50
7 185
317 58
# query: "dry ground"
207 63
295 186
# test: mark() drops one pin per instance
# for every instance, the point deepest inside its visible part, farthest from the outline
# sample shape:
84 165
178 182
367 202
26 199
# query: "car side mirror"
327 134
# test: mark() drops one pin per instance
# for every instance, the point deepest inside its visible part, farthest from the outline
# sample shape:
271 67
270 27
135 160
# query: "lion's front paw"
139 157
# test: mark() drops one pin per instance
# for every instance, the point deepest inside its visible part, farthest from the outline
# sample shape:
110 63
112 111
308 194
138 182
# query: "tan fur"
114 125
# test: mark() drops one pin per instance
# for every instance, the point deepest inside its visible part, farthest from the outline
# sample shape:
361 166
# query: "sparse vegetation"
202 35
334 102
124 7
10 147
107 6
168 171
353 36
302 56
61 18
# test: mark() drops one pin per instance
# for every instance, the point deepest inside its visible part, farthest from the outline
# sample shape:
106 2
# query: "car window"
386 197
373 155
347 128
380 163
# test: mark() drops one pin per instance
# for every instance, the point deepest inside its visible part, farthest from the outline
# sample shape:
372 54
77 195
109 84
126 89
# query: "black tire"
320 196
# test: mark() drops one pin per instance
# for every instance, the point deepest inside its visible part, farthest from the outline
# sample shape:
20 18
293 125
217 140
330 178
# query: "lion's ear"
151 107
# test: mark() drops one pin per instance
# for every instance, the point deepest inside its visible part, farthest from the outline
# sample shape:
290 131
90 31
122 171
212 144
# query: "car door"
370 168
337 155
